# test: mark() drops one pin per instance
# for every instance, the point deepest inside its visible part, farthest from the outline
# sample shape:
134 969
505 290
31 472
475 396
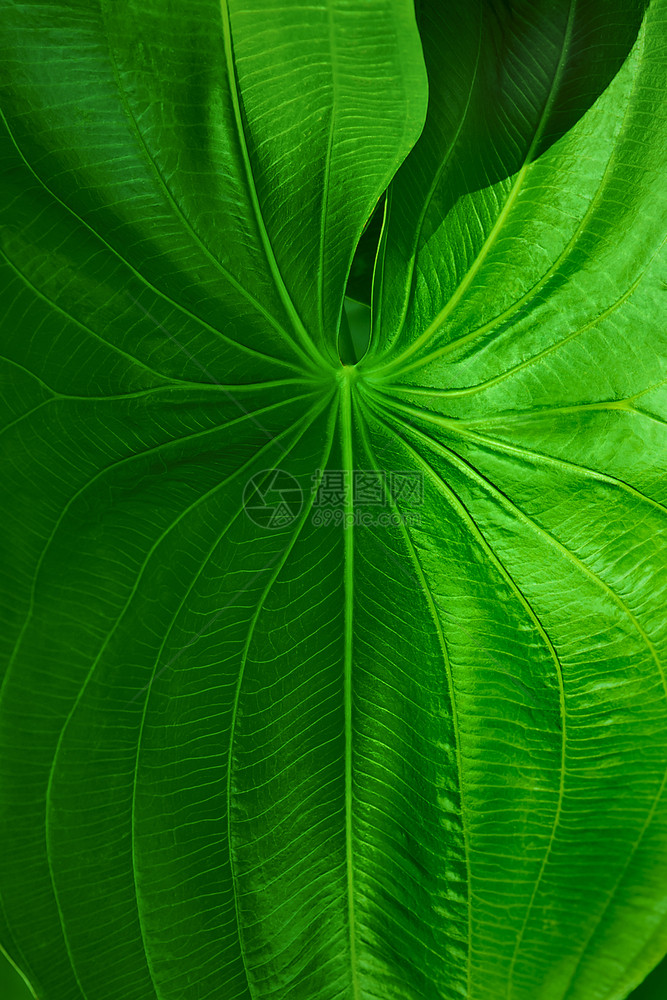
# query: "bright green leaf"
329 681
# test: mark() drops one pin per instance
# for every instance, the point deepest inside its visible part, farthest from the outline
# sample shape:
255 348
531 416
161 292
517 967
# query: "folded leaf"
331 681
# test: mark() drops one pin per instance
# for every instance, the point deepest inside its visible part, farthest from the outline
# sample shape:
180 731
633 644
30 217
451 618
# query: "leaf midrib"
327 163
348 571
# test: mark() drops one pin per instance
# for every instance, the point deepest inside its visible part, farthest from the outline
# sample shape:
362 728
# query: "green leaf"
12 984
653 988
333 681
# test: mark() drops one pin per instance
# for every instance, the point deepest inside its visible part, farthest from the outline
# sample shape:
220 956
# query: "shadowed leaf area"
334 520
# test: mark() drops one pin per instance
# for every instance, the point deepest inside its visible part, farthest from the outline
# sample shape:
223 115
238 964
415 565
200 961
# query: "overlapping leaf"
303 733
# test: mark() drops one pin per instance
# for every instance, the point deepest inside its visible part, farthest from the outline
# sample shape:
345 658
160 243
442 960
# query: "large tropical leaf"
334 681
